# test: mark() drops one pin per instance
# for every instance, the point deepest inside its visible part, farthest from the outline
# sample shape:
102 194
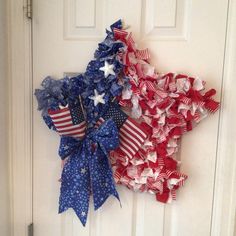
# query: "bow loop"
106 136
68 145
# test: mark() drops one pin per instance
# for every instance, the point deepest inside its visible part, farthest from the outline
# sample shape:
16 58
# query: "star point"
97 98
107 69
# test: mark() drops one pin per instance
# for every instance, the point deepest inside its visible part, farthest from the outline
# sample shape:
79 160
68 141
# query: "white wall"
4 194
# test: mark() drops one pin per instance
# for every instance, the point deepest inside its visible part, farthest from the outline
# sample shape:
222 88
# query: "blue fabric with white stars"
87 170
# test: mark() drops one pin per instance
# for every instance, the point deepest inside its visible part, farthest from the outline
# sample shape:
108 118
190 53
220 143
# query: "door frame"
20 96
20 109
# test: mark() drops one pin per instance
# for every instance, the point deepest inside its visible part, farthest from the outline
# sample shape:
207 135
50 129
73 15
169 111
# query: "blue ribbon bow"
87 170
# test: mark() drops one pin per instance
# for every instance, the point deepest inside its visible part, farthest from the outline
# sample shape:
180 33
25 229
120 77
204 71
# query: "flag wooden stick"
82 107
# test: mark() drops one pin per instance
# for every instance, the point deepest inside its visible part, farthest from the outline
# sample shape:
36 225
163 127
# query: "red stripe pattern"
131 134
170 104
69 122
130 42
143 54
119 33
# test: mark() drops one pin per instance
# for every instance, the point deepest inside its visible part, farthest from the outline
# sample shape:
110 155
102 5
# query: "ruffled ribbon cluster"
167 105
121 118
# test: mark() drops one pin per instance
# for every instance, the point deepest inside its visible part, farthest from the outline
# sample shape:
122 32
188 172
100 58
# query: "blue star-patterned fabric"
67 146
87 170
108 51
117 25
50 96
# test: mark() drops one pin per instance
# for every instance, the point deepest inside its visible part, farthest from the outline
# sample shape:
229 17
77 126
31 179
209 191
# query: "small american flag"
69 121
131 134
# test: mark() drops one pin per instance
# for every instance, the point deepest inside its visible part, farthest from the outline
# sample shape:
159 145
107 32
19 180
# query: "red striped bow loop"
119 33
142 54
130 43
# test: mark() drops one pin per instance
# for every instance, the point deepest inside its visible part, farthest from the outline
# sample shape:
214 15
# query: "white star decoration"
97 98
107 69
83 171
83 213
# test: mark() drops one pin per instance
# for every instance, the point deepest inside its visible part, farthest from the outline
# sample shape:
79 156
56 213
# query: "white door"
185 36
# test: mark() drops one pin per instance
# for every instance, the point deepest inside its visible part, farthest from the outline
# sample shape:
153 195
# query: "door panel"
183 36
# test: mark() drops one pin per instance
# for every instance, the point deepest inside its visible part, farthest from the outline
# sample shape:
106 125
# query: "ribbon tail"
75 186
102 182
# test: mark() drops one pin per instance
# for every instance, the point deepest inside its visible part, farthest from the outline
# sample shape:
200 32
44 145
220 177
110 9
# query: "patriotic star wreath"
120 122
